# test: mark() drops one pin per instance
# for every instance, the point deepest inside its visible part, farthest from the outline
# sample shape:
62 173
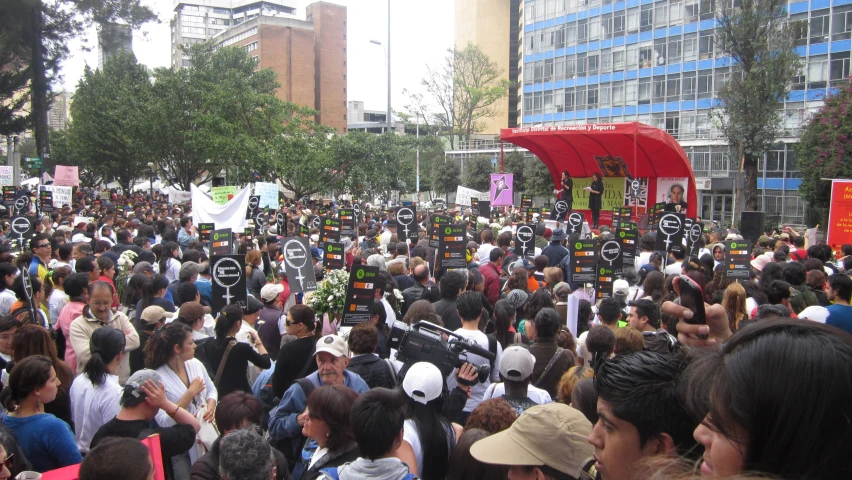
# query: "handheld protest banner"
229 281
298 264
561 209
738 259
451 246
670 231
575 223
22 228
406 222
347 222
693 233
333 257
525 241
435 225
609 263
251 208
204 232
583 261
360 295
628 239
222 242
330 231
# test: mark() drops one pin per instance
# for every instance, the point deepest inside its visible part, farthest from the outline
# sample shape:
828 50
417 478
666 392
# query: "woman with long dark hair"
168 264
32 340
95 395
327 426
57 298
428 437
504 330
132 294
77 289
236 355
47 441
255 279
8 272
153 293
294 357
596 190
27 310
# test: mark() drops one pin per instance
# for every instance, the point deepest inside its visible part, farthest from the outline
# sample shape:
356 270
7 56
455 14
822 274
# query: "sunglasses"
289 323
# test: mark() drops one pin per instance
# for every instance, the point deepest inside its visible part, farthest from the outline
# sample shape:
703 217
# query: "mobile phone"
691 297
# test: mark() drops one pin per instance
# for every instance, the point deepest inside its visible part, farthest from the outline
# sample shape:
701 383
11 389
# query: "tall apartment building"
599 61
113 38
57 115
493 26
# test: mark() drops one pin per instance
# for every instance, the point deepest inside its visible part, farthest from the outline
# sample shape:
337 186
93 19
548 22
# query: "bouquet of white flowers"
125 265
330 296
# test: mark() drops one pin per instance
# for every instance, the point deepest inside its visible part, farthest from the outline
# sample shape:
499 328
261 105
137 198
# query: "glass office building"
599 61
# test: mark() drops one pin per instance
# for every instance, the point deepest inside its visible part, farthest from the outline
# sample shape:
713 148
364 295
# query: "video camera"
422 342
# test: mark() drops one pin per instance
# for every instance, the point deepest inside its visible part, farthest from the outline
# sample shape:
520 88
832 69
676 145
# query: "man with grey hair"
245 455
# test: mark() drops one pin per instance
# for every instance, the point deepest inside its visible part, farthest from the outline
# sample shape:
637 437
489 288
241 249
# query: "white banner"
61 195
230 215
179 197
6 175
268 194
464 194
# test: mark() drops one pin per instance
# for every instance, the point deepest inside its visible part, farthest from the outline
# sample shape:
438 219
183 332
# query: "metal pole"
16 163
389 65
418 159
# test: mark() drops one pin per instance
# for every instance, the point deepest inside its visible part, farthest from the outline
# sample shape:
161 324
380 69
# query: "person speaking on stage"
595 190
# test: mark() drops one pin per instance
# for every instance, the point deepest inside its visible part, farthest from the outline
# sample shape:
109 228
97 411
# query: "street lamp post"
151 180
388 63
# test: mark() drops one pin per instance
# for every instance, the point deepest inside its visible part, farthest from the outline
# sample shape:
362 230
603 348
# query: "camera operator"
469 307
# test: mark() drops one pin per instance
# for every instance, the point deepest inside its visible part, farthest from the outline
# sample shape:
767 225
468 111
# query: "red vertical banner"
840 214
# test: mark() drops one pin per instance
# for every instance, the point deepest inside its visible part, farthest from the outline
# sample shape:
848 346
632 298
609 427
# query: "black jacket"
141 255
375 371
207 467
446 309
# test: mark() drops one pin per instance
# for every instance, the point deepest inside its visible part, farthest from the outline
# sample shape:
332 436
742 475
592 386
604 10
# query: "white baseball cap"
334 345
423 382
516 363
270 291
621 286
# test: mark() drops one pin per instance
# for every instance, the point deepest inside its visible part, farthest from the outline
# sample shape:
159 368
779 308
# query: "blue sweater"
47 441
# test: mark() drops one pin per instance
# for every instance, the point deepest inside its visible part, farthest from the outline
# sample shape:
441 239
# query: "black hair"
75 285
435 432
842 286
6 269
64 251
496 254
754 291
133 290
160 345
166 254
584 316
105 263
85 265
538 300
35 241
18 287
116 457
379 309
585 399
469 306
8 322
504 313
152 285
462 464
452 282
105 345
752 388
677 252
642 388
647 308
600 341
27 375
186 292
377 418
228 317
235 408
777 291
547 323
609 310
647 242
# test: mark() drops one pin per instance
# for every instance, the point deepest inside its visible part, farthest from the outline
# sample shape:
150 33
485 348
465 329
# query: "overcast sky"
420 34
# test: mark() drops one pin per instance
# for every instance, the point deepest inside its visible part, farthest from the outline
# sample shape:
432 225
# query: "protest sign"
178 197
629 238
333 257
583 260
253 205
561 209
406 223
330 231
738 259
669 231
347 225
464 194
204 231
525 241
502 189
66 176
360 295
45 201
221 242
451 246
61 195
9 193
268 193
6 175
221 195
609 264
575 223
840 215
298 264
435 228
229 281
248 238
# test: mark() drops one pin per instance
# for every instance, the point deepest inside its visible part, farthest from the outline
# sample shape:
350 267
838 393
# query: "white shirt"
92 406
485 252
7 298
673 268
175 388
582 351
172 270
537 395
478 390
642 259
57 300
412 436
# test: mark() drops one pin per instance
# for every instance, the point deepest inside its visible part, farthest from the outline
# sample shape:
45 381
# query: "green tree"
462 91
538 179
760 41
445 176
107 108
515 162
477 173
825 150
14 73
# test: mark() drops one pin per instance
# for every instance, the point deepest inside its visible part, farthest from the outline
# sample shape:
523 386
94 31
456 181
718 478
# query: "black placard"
620 214
251 208
347 222
298 264
22 204
248 238
451 246
204 232
694 230
360 295
629 238
484 209
526 200
221 242
609 267
656 211
304 231
738 259
574 221
45 201
229 281
583 261
333 257
356 211
435 227
406 223
22 230
531 218
315 222
525 241
561 209
474 212
8 195
330 231
669 231
281 223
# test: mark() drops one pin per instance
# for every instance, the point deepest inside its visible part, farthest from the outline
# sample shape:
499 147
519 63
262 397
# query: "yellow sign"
613 194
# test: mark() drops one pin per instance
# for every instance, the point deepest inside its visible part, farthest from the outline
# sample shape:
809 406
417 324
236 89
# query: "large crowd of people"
100 349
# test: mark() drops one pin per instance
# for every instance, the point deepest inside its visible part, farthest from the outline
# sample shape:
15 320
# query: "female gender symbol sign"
227 273
296 256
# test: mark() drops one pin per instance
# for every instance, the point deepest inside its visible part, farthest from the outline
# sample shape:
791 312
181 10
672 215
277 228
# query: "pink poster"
502 189
66 176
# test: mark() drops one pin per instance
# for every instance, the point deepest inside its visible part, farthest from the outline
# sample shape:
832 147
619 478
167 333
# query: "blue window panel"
833 91
548 86
527 119
604 112
796 96
591 113
528 58
676 30
528 88
632 3
690 27
539 25
538 87
717 103
582 15
630 110
660 70
817 4
606 43
705 64
617 111
569 115
595 46
560 52
572 17
631 39
645 2
672 106
644 72
779 183
606 77
537 118
707 24
816 94
618 41
688 105
723 62
644 109
617 76
802 50
548 117
618 6
595 12
559 116
570 50
581 81
646 36
792 183
582 48
592 79
841 45
560 20
690 66
705 103
580 114
549 23
674 68
841 2
549 54
818 49
569 83
529 28
658 107
798 7
660 33
606 9
558 84
631 74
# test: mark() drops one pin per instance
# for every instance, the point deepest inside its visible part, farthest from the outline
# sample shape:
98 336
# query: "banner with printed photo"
671 190
613 194
502 189
636 198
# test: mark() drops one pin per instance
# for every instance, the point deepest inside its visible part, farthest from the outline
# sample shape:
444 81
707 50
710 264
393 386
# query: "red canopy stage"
645 151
